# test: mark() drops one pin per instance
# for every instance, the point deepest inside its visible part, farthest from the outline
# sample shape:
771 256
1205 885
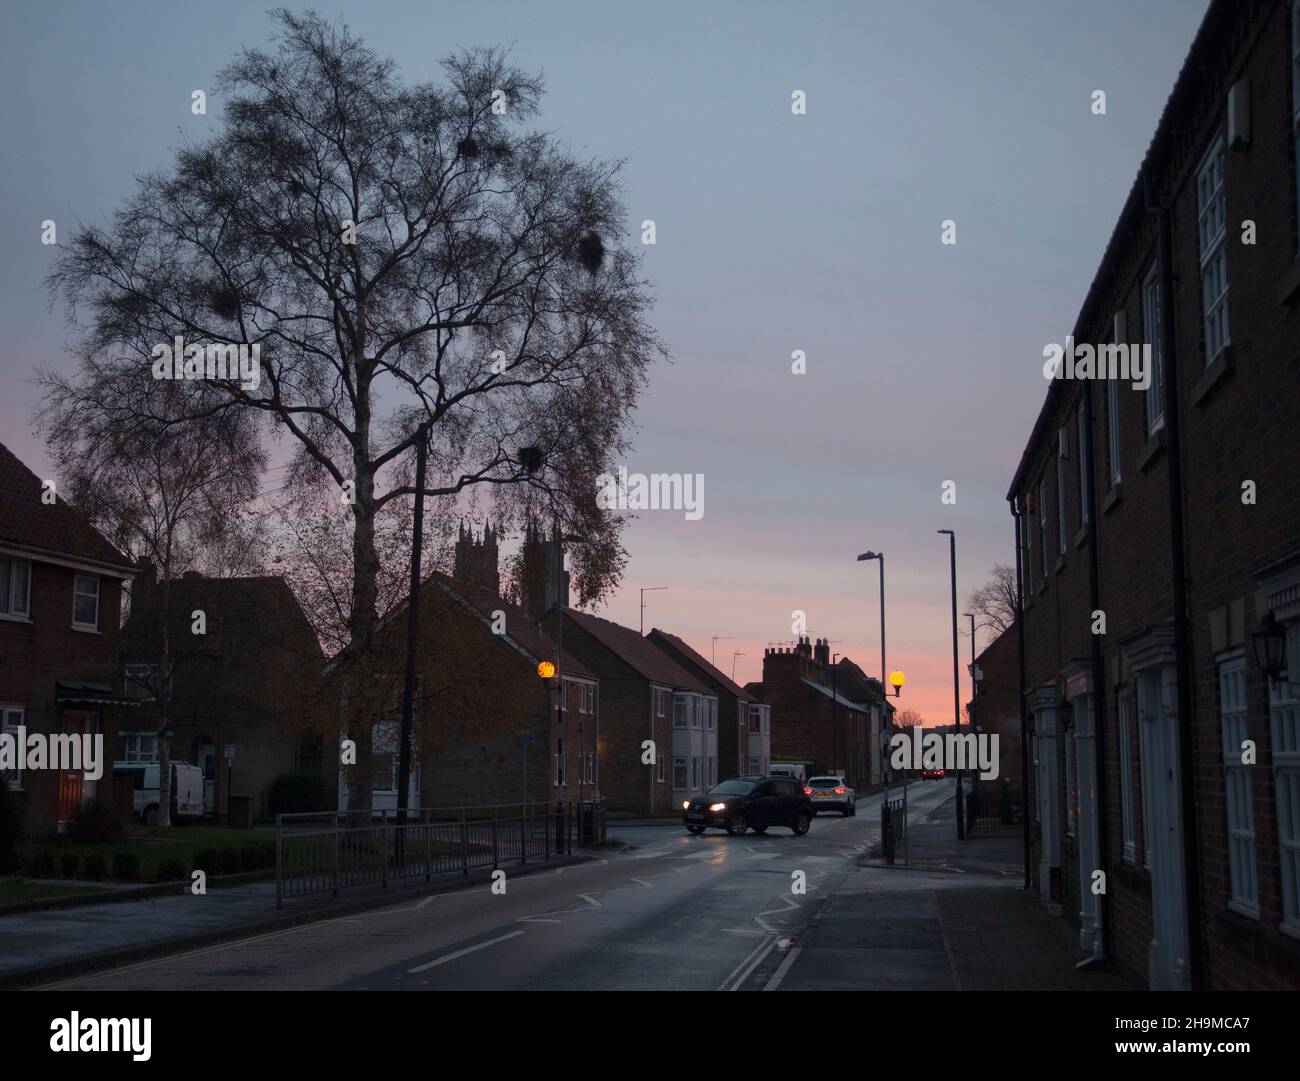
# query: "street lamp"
897 680
1268 638
884 712
956 688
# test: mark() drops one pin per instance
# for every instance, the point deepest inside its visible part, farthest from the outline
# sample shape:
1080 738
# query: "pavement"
955 918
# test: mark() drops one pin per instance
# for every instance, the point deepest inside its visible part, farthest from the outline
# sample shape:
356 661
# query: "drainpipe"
1101 940
1020 671
1182 660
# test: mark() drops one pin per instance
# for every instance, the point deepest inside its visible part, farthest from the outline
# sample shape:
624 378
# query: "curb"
134 893
74 966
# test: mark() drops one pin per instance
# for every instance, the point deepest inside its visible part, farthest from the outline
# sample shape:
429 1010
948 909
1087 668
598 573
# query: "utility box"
240 812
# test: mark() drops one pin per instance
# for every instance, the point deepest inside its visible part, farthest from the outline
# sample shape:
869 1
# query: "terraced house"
1159 547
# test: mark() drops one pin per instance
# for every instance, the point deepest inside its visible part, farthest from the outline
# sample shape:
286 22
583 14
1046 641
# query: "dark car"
750 803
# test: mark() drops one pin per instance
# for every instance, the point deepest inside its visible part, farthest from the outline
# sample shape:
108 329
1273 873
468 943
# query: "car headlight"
717 806
686 805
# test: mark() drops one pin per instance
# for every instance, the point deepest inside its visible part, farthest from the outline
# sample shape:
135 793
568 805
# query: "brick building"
236 708
1156 527
996 708
817 721
60 607
646 695
744 723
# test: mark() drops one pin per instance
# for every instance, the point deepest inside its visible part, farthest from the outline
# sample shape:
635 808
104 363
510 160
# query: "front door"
1158 716
71 781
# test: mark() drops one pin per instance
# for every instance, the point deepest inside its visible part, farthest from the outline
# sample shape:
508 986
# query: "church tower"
476 562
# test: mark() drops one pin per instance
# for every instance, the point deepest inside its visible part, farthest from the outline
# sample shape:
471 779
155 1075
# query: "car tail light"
807 791
839 791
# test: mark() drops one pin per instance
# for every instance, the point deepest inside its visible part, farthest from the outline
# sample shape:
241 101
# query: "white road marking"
751 961
590 900
427 901
461 953
643 882
782 969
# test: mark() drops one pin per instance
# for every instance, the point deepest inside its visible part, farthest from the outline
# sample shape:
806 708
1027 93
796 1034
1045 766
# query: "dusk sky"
775 233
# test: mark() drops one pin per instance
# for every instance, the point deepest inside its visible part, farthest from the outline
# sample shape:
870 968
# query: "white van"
797 770
187 790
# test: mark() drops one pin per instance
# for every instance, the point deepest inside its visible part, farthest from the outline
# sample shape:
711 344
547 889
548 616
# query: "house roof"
639 653
710 670
56 528
1210 38
520 631
861 707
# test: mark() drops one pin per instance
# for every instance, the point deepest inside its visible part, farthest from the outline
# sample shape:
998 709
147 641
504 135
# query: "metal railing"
893 827
319 852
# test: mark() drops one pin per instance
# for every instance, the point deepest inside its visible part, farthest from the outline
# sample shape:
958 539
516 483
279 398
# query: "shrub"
250 858
11 830
171 869
43 864
207 860
230 861
71 861
97 823
294 792
126 866
267 849
94 867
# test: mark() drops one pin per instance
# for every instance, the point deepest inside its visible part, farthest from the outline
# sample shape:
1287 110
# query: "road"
678 912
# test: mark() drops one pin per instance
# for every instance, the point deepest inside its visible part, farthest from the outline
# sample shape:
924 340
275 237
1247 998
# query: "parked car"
186 795
797 770
830 793
932 775
750 803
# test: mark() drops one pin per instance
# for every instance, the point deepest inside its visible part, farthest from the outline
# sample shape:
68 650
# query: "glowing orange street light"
896 680
546 669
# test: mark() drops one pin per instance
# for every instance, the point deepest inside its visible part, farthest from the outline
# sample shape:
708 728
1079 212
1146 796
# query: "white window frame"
133 747
1284 722
1212 231
1027 542
12 715
1083 487
11 610
1124 721
661 702
1243 880
78 593
661 768
680 710
1062 453
679 763
561 767
1151 332
1042 525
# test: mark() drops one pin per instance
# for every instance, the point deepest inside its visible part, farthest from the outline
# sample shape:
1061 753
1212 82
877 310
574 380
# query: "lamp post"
644 591
884 713
956 686
974 687
1268 639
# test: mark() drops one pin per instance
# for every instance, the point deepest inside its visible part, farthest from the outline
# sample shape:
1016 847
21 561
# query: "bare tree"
407 260
168 495
994 603
909 718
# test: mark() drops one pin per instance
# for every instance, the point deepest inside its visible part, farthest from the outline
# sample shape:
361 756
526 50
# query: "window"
1112 431
1042 525
15 588
696 708
659 764
563 695
713 770
1071 784
141 676
1148 689
1124 711
1062 452
754 766
679 711
591 767
695 772
1151 331
85 601
1211 225
11 717
661 703
679 773
561 764
1284 717
140 747
1083 480
1027 542
755 723
711 709
1237 788
588 698
384 777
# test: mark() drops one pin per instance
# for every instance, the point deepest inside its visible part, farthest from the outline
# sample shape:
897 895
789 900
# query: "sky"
775 232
